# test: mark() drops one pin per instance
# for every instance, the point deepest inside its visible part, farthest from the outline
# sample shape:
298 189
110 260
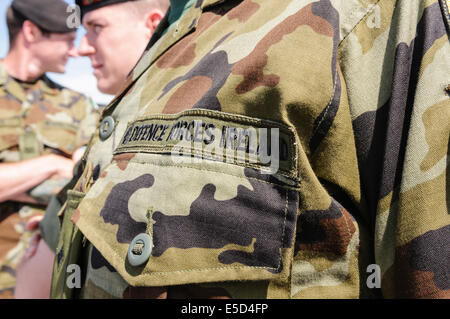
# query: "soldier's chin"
105 87
58 69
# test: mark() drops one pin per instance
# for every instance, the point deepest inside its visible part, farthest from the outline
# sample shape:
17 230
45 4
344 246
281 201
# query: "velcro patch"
204 134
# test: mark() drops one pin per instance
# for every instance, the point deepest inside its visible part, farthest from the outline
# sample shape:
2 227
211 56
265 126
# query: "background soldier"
43 126
117 33
362 179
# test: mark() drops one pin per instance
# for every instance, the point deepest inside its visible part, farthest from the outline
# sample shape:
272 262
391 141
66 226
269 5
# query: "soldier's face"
114 41
53 51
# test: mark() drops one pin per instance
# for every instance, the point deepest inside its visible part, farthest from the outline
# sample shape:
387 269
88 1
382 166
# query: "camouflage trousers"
14 241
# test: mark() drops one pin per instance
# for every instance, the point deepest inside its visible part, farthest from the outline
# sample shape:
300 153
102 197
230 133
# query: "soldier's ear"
31 31
153 18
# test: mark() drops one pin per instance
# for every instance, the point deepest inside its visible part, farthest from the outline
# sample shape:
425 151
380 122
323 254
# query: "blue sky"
78 74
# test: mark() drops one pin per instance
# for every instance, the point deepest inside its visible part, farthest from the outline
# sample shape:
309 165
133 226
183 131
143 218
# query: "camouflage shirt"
35 119
279 149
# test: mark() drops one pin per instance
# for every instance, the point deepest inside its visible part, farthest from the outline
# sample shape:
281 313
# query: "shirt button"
107 127
140 249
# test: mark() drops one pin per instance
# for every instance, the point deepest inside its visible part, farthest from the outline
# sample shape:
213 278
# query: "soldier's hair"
14 22
141 7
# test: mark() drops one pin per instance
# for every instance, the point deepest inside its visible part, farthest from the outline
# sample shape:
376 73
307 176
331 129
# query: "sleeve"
51 224
395 65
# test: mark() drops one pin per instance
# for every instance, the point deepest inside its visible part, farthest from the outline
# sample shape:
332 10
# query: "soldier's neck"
20 65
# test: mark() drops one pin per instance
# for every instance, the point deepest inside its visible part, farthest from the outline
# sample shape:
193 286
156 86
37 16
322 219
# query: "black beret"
50 15
89 5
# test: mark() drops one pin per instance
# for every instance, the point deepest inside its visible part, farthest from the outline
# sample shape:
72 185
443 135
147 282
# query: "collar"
48 86
9 84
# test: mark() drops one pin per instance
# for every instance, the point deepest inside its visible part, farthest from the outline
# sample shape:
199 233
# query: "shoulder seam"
445 11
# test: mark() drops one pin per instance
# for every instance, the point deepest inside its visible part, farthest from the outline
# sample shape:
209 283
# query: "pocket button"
107 127
140 249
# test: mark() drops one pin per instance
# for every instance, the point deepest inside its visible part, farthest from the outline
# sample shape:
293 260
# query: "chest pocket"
195 197
10 130
33 140
58 135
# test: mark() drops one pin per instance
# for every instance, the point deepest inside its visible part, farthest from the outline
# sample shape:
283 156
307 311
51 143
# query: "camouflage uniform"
356 90
35 119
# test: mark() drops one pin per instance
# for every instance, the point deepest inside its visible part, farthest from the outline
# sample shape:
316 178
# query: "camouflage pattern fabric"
356 90
35 119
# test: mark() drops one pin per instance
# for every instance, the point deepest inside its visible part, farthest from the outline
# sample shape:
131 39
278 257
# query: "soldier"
280 149
44 127
111 30
110 27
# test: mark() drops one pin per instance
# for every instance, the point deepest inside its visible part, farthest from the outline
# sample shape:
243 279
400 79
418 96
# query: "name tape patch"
215 136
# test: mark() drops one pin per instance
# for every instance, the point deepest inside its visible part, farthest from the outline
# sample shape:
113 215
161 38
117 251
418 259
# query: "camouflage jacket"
36 119
42 118
280 149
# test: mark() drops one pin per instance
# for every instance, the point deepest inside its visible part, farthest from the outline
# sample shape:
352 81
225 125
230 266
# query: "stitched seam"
110 248
236 159
446 13
335 73
329 103
209 170
284 227
446 7
240 119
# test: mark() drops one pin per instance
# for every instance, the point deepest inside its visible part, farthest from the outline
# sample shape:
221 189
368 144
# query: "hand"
78 154
20 177
63 166
32 225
